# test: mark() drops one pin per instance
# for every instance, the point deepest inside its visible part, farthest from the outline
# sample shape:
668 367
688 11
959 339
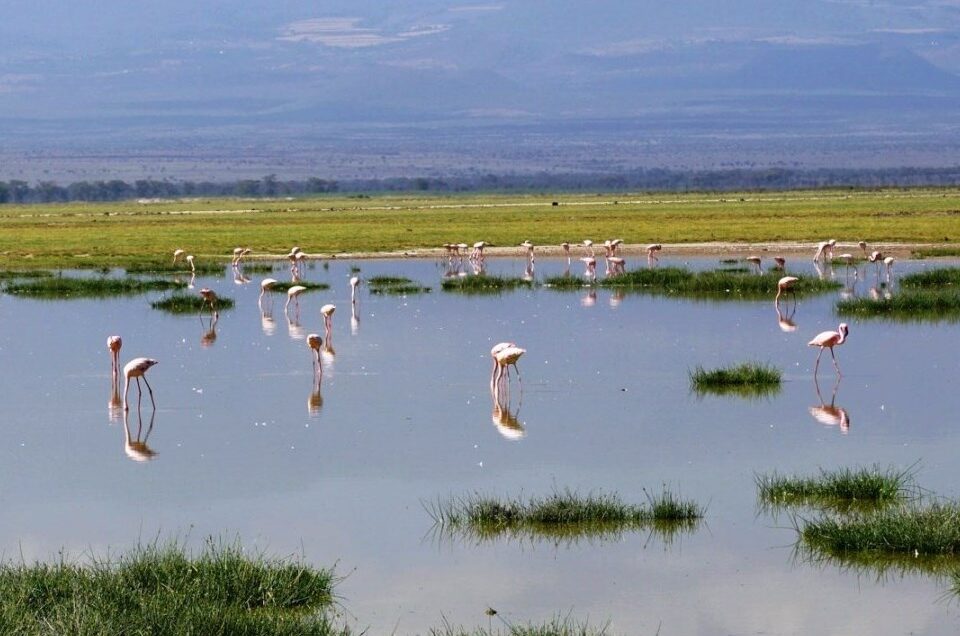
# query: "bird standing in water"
137 368
829 340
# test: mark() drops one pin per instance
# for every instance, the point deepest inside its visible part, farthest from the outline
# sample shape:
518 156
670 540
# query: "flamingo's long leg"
150 390
836 366
817 365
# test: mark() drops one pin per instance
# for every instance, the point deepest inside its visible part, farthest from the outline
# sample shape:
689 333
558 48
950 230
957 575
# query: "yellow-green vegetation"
64 287
166 590
483 284
843 489
118 234
745 379
932 278
283 286
906 305
716 284
558 626
563 516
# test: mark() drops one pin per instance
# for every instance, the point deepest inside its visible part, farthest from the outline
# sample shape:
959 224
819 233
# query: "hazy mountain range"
116 74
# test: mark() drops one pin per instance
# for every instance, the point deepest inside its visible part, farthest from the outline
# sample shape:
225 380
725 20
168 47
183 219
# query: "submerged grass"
934 252
204 267
397 285
712 284
483 284
843 489
166 590
910 529
747 379
186 303
565 282
566 516
58 287
258 268
16 274
906 305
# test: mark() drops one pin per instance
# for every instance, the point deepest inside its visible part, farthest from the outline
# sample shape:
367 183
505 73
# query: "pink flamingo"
829 340
588 247
327 312
189 259
529 247
825 250
314 341
354 281
265 285
615 245
863 246
756 261
209 297
177 253
590 265
652 250
566 250
888 261
786 284
137 368
293 293
504 354
113 344
780 263
477 254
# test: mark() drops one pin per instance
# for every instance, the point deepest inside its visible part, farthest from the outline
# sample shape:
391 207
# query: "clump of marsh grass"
258 268
483 284
746 379
187 303
915 529
62 287
166 590
844 489
283 286
712 284
557 626
396 285
565 282
204 267
566 516
934 252
17 274
933 278
907 305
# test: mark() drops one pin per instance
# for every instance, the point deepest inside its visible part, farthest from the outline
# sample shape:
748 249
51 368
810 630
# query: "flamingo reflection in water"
785 319
209 336
135 446
315 401
830 414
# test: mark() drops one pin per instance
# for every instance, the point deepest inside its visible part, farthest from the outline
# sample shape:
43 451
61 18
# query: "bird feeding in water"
294 294
505 354
314 341
327 312
786 284
177 253
113 345
137 368
209 298
829 340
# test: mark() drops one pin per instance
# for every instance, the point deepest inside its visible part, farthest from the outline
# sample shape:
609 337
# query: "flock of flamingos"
503 354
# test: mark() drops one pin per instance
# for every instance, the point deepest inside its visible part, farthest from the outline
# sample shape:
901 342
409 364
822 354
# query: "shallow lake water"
244 448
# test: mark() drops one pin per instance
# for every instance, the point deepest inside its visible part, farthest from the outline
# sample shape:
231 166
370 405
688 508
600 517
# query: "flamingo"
189 259
786 284
616 265
354 281
756 261
780 263
237 252
265 285
590 265
209 296
588 247
494 352
294 294
652 249
477 254
529 247
566 250
113 344
876 257
615 245
177 253
327 312
504 357
137 368
314 341
888 261
829 340
863 246
825 250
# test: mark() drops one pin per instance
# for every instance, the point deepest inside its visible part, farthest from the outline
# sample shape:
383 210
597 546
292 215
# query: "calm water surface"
244 448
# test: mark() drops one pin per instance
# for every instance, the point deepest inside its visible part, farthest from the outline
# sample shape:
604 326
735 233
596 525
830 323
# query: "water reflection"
589 299
209 336
239 278
830 414
507 422
315 401
785 319
354 319
135 446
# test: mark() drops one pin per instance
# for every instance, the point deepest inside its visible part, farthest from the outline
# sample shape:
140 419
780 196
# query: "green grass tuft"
62 287
563 515
844 489
565 282
283 286
395 285
712 284
17 274
186 303
747 379
910 529
934 252
483 284
933 278
165 590
258 268
557 626
906 305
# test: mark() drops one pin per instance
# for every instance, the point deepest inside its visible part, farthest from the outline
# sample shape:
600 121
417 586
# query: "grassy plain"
117 234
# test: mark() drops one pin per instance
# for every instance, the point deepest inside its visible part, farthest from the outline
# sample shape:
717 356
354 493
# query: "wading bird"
265 285
113 344
189 259
786 284
652 250
863 246
314 341
588 247
505 354
888 261
829 340
825 250
354 281
137 368
177 253
294 294
327 312
756 261
780 263
209 297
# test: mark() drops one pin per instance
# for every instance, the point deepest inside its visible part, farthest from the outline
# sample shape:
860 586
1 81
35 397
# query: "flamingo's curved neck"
843 336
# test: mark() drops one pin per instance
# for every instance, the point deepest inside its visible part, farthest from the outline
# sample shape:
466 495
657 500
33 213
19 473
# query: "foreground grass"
843 489
186 303
60 287
396 285
165 590
912 529
120 234
558 626
933 278
483 284
712 284
906 305
566 516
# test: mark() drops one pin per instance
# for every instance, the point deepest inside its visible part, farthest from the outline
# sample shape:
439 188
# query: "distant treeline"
646 179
